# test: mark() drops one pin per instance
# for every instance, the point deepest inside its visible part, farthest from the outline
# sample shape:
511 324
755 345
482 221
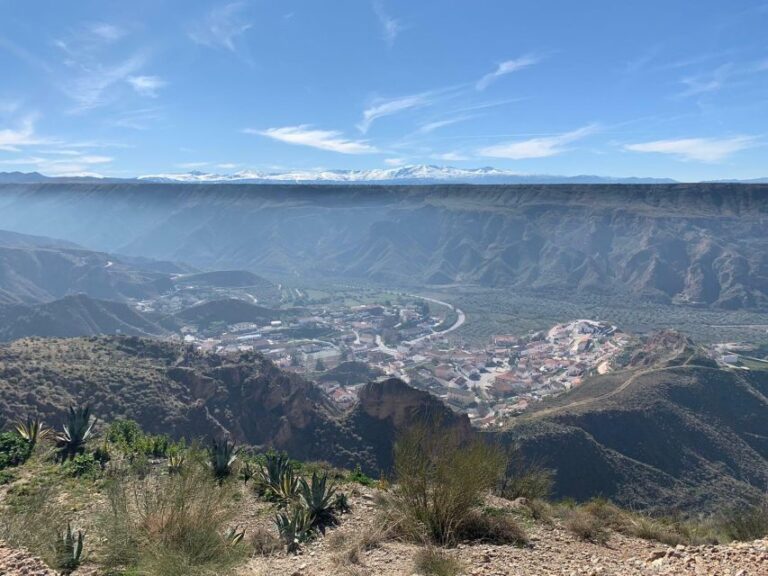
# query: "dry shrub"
492 528
441 479
432 561
31 518
531 480
264 542
585 526
170 525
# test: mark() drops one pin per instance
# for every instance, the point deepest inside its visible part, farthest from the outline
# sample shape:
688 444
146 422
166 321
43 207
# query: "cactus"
69 550
341 503
247 472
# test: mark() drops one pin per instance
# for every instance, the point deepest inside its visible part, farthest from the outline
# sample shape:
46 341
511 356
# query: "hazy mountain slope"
229 311
72 316
702 243
40 273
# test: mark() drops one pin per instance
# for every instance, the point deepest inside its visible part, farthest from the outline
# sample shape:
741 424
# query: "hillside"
698 244
169 388
32 271
684 436
72 316
229 311
678 432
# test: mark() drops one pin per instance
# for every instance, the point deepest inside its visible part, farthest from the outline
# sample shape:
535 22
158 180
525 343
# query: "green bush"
746 523
82 466
130 439
441 479
14 450
359 477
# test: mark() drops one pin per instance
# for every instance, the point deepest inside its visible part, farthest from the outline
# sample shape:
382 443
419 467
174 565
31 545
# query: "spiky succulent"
175 463
247 472
32 430
233 536
294 527
278 479
317 497
76 432
222 455
69 550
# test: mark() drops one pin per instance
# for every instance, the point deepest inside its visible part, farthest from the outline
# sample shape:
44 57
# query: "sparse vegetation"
432 561
441 479
585 526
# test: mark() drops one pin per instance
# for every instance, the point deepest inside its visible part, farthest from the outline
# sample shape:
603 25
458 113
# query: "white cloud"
390 26
221 27
395 161
227 165
432 126
305 135
541 147
146 85
105 31
13 139
507 67
381 108
697 149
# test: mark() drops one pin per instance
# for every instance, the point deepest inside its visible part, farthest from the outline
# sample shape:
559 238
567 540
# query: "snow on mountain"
402 175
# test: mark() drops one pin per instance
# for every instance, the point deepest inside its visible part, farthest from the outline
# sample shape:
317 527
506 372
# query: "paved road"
461 318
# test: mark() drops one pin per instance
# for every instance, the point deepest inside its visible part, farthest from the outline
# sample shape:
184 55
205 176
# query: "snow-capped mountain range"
418 174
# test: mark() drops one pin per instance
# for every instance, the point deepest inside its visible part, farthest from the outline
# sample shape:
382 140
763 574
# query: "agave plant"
222 455
233 536
341 503
278 478
294 528
33 431
77 431
247 472
175 463
69 550
317 496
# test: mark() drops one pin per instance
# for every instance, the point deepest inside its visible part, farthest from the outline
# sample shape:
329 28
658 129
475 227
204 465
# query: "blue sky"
653 88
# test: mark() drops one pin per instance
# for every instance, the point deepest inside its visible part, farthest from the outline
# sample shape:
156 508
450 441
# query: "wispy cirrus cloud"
390 26
697 149
708 82
430 127
146 85
106 31
382 107
221 27
539 147
507 67
305 135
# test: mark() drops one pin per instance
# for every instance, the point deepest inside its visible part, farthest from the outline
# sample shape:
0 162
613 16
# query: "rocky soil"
553 551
